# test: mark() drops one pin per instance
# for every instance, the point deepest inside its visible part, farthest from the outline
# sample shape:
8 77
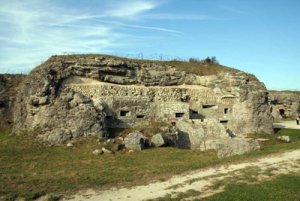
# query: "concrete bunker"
125 105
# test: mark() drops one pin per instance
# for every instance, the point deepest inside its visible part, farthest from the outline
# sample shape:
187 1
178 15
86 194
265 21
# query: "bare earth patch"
205 181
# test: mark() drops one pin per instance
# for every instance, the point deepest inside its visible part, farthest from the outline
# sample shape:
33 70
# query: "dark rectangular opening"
208 106
194 112
179 114
124 113
109 117
223 121
196 115
226 110
140 116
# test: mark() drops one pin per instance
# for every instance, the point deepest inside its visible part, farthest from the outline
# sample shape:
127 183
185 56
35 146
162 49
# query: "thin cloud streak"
169 16
116 23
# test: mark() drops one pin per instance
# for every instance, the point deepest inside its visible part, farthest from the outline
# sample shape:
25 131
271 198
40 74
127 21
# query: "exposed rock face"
251 111
157 140
8 90
237 146
76 95
199 135
135 141
285 104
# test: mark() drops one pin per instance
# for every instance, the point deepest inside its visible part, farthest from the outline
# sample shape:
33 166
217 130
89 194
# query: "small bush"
207 60
195 60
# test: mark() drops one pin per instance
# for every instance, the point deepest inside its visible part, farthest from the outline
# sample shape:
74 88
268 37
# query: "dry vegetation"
198 67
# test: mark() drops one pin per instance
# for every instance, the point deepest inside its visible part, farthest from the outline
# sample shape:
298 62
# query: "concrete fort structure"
78 95
124 105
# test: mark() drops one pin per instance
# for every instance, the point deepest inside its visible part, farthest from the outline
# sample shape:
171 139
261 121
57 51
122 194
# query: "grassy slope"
28 169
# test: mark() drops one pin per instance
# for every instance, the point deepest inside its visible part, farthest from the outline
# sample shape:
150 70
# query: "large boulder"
211 135
191 135
237 146
157 140
203 136
135 141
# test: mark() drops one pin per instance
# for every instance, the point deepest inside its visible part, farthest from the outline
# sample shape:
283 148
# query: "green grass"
29 169
274 145
282 188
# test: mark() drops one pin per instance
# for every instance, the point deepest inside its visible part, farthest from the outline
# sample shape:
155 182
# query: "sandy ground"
286 124
200 180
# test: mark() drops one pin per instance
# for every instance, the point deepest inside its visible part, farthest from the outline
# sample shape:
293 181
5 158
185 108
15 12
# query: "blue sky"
258 36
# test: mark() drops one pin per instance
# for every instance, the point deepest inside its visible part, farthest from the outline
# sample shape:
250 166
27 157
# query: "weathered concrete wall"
124 105
285 104
8 91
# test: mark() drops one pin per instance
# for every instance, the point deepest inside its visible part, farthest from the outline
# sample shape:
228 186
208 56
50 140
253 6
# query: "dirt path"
286 124
201 180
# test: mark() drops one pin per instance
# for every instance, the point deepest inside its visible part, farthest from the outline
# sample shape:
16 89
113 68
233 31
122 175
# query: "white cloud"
130 9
